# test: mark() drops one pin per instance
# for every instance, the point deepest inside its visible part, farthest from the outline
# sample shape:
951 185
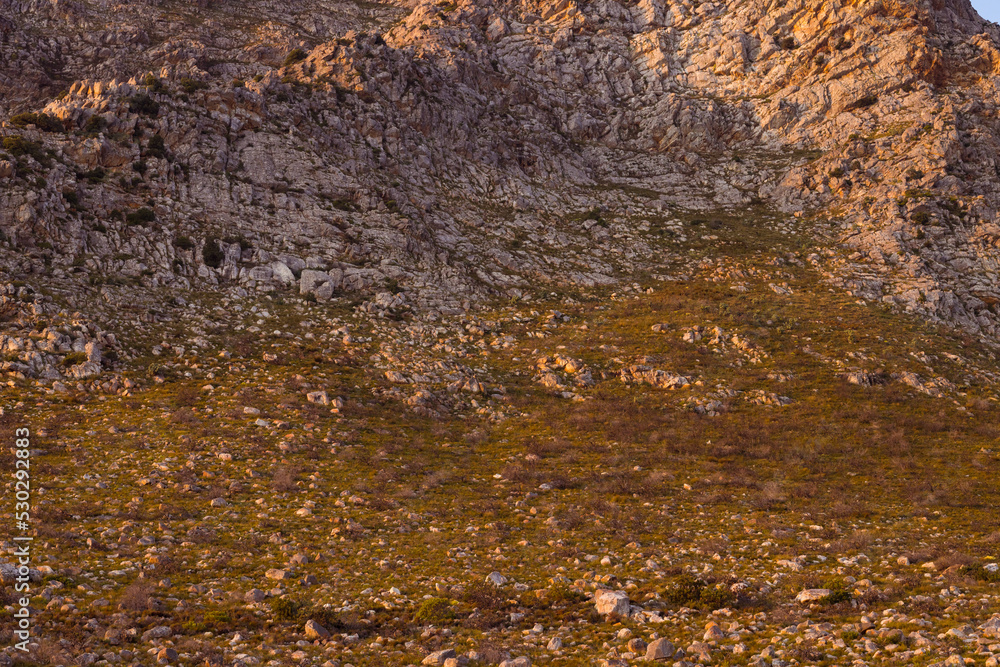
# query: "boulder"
812 594
281 274
660 649
612 603
314 630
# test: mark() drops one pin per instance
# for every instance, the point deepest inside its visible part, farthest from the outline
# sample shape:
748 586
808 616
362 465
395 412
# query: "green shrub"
716 597
243 243
42 121
144 105
156 148
189 85
840 591
296 55
684 590
95 175
19 146
184 243
286 609
788 43
239 83
921 217
837 172
153 83
212 253
74 358
564 594
140 217
94 125
979 572
435 611
913 174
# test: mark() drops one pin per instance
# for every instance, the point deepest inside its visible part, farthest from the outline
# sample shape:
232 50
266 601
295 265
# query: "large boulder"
612 603
311 280
282 274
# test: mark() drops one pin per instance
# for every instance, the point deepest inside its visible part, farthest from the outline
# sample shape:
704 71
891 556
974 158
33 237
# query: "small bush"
189 85
19 146
153 83
685 590
286 609
155 147
42 121
184 243
716 597
788 43
980 573
839 591
913 174
136 597
74 358
212 254
921 217
484 596
95 175
140 217
565 595
294 56
94 125
435 611
143 105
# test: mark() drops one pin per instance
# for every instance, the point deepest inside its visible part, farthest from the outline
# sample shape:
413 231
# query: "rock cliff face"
457 150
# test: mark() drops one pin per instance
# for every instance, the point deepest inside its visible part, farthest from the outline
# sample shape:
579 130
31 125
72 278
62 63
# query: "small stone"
319 397
218 502
812 594
255 595
522 661
554 644
637 646
496 579
166 654
713 632
314 630
438 657
660 649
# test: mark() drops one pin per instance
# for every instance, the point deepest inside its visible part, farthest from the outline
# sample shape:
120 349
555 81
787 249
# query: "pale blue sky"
988 9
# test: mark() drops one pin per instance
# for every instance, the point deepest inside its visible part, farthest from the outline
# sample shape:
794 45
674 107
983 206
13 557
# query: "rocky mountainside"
466 150
596 332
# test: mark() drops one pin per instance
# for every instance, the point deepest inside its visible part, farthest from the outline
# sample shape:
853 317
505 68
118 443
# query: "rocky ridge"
472 149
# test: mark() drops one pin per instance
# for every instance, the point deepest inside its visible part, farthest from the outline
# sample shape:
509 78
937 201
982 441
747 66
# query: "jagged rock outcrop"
476 148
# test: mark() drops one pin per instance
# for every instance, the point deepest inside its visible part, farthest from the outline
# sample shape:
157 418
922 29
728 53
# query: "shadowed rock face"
469 148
